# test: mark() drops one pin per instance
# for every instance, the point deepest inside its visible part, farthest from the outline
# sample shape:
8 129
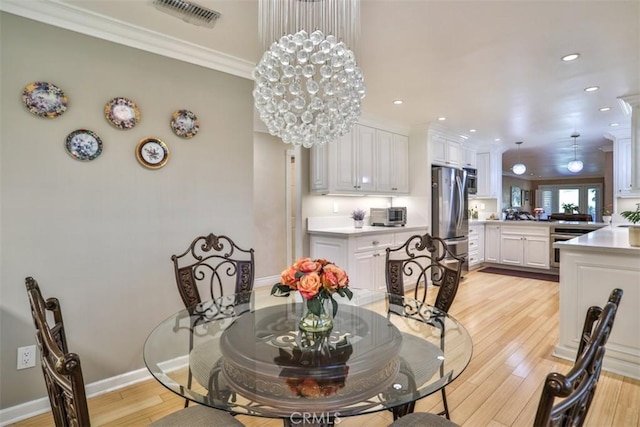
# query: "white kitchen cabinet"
536 251
525 246
444 151
319 168
364 161
353 158
492 240
370 270
623 168
476 245
361 256
469 157
392 163
489 166
331 248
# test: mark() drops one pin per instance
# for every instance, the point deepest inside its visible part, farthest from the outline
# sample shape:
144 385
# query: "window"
588 198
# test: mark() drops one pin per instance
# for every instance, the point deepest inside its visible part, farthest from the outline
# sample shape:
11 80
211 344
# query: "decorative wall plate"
44 99
152 153
184 123
122 113
83 144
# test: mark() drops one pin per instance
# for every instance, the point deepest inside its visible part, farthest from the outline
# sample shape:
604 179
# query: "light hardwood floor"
514 325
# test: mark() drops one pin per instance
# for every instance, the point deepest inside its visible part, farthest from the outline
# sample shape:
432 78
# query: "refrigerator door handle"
461 202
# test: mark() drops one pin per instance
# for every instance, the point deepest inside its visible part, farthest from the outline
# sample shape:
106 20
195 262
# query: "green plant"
358 214
570 207
632 216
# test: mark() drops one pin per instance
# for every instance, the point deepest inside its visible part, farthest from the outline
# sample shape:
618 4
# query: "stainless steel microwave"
471 180
388 217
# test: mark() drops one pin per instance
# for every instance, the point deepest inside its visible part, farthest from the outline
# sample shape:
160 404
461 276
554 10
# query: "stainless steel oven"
561 234
555 252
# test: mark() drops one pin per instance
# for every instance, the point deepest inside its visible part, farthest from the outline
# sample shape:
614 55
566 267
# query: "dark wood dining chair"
63 374
214 265
210 268
423 259
565 398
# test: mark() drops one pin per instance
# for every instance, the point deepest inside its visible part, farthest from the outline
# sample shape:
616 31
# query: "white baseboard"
266 281
39 406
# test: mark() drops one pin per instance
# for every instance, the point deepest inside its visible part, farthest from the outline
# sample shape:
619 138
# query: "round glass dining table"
245 354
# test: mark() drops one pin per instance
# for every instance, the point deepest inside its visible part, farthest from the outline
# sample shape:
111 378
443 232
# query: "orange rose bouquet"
316 280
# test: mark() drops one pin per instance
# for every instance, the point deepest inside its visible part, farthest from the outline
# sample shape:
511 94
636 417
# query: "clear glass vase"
311 322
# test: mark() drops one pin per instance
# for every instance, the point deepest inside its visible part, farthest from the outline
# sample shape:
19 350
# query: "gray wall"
98 235
270 163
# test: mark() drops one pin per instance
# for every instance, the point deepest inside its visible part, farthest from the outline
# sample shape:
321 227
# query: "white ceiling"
490 65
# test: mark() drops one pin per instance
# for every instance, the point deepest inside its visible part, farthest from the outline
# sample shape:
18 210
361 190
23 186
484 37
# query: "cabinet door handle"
375 243
376 254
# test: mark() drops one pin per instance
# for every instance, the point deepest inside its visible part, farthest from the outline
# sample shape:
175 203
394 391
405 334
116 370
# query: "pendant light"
519 168
308 88
574 165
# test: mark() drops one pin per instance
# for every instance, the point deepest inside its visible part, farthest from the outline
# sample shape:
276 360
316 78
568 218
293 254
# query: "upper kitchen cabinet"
627 151
392 162
444 152
489 166
469 157
364 161
353 161
623 167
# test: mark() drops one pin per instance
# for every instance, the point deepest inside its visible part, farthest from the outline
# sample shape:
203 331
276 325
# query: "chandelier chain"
340 18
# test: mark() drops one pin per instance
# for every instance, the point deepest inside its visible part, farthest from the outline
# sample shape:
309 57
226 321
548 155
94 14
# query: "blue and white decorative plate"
83 144
44 99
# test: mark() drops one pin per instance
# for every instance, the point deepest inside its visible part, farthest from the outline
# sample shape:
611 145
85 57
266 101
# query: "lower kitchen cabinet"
362 256
524 246
476 245
492 240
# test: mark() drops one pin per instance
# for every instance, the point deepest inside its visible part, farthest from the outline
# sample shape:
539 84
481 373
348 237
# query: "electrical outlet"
26 357
335 208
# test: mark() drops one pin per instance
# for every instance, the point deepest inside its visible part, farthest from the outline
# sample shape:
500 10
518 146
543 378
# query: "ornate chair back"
422 259
61 369
215 264
577 388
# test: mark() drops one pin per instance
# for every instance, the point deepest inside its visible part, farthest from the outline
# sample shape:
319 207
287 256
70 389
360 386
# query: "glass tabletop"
245 354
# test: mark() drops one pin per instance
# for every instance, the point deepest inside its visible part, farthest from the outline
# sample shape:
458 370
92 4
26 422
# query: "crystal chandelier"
308 88
519 168
574 165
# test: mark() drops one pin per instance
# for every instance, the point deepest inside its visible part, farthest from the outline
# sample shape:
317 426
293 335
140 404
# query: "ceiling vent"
188 12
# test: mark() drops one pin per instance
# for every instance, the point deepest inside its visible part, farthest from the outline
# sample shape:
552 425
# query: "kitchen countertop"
609 239
564 224
365 230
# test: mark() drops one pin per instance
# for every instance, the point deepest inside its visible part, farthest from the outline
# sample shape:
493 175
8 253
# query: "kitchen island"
592 265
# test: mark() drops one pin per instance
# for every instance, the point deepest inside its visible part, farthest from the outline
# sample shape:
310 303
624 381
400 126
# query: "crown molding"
58 14
628 102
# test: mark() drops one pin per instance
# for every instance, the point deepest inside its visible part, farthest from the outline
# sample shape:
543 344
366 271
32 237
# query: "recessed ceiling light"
398 101
472 130
497 140
464 137
570 57
614 124
605 108
442 119
591 88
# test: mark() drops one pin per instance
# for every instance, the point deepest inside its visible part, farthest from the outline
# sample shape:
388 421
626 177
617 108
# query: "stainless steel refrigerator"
449 209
